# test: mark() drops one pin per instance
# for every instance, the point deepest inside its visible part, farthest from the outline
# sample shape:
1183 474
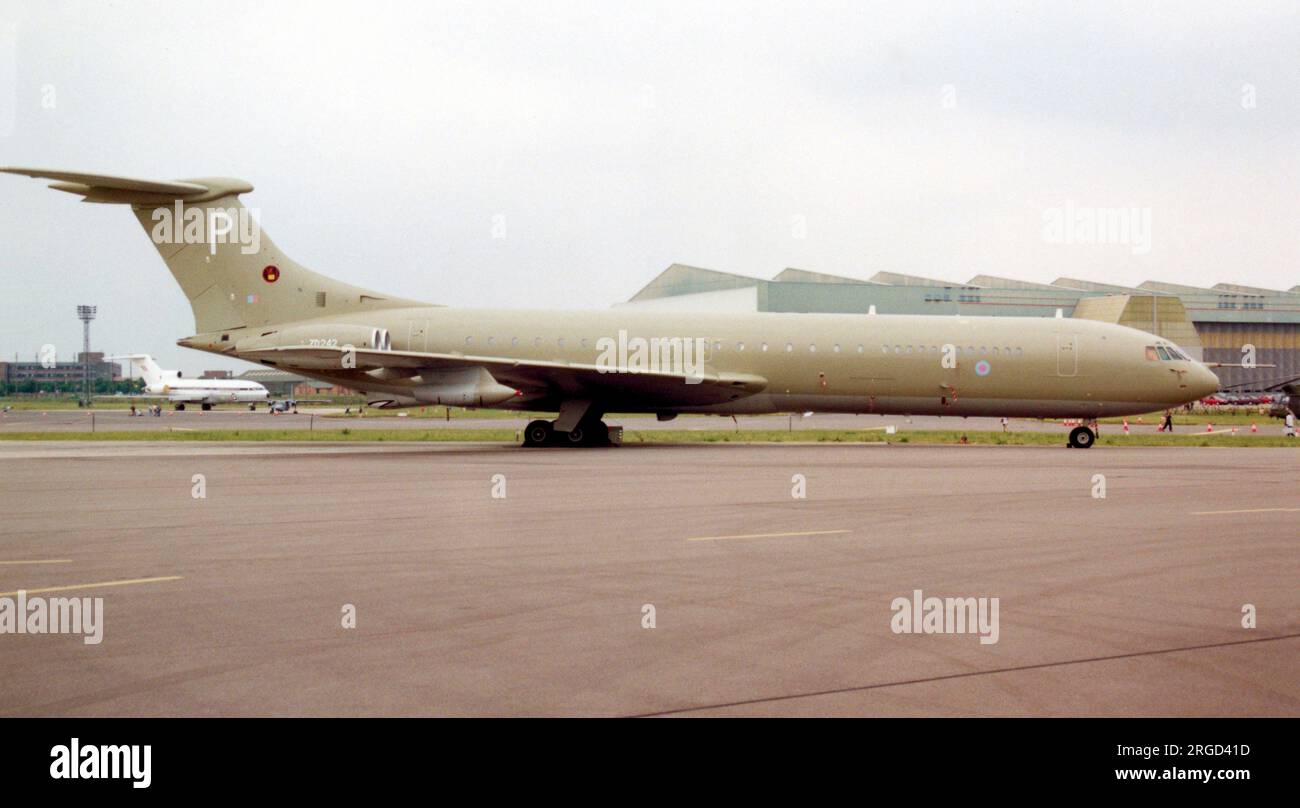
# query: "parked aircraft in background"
170 385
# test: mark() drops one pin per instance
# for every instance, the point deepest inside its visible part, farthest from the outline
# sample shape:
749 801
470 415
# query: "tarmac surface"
115 420
763 603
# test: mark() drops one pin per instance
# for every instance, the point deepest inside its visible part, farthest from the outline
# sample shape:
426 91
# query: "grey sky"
383 139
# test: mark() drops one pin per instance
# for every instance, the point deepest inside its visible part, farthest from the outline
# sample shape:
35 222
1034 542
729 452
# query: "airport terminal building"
1212 324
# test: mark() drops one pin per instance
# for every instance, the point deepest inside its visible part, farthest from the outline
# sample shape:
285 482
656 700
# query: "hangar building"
1213 324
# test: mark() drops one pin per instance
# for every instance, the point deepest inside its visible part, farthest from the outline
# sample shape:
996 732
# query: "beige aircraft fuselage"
849 363
252 301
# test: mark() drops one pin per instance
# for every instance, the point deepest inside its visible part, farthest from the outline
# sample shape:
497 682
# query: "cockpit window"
1166 353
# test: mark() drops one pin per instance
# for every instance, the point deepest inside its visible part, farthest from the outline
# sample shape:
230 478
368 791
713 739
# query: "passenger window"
812 348
789 346
763 347
836 347
740 346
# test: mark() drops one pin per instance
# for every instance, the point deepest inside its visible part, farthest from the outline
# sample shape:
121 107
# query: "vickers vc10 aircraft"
252 301
169 384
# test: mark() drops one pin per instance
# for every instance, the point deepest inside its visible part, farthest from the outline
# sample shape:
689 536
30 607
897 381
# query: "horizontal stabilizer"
128 190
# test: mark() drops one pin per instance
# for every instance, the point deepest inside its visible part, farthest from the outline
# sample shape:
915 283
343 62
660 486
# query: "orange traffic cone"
1125 426
1209 427
1254 428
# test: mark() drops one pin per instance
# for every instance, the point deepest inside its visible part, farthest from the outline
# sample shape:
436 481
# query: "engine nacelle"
462 387
320 335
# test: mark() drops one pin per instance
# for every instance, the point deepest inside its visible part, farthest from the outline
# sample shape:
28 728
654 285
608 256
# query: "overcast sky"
386 140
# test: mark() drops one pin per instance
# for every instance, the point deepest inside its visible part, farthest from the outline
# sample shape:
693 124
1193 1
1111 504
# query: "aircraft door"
1067 354
417 336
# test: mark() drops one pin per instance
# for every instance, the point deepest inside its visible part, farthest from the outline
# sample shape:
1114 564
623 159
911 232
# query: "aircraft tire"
538 433
1081 437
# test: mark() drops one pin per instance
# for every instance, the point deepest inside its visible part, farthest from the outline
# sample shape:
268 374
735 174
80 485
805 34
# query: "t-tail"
148 369
233 275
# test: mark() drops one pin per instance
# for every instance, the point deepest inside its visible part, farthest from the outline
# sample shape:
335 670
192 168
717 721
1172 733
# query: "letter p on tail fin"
228 268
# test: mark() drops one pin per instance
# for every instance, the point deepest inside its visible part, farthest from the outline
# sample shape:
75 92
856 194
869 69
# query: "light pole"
86 314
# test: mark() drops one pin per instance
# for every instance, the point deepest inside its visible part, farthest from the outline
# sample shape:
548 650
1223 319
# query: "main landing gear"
579 424
585 433
1083 437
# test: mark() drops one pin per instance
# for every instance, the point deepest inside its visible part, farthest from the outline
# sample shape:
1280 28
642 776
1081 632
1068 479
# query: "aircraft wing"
561 379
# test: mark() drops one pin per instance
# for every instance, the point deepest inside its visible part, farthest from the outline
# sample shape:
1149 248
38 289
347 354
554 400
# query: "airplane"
168 384
254 302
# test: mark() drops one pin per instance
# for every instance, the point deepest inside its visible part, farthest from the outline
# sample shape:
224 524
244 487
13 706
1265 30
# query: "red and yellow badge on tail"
271 274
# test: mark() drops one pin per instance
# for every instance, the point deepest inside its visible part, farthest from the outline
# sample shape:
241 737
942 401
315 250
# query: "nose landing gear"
1083 437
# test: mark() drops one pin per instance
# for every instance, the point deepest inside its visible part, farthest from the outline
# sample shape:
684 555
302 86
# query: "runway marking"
1247 510
769 535
37 561
99 585
964 675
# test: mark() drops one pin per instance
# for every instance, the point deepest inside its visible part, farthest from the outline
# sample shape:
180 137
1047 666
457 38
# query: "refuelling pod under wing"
461 387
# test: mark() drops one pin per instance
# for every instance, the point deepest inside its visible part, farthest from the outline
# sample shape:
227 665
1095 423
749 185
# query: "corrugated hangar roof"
1093 286
995 282
1251 290
792 275
683 279
898 279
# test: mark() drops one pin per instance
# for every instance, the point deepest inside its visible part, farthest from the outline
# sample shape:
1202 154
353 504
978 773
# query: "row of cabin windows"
969 350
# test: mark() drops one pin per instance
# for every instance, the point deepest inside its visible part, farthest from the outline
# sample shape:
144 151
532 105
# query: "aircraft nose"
1202 381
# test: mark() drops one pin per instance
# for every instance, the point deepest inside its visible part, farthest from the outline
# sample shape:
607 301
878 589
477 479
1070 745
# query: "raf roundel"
271 274
982 368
